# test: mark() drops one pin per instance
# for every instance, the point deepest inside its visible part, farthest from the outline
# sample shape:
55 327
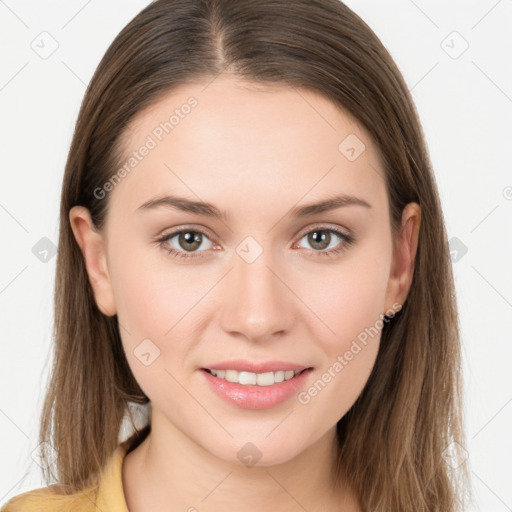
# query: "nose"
258 304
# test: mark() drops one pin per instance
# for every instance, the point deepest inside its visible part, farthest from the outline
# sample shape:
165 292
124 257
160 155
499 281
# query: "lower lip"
256 397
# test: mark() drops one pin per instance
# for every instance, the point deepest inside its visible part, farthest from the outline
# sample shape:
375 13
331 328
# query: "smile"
254 379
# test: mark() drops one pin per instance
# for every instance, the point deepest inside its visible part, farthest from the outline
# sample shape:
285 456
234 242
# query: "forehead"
230 137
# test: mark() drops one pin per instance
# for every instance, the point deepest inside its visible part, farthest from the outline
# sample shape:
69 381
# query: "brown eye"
319 239
190 240
327 241
188 243
185 243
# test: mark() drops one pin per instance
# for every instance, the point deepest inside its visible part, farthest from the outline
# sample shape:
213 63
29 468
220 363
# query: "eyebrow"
210 210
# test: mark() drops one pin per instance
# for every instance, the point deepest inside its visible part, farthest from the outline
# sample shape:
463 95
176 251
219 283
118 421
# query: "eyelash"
347 239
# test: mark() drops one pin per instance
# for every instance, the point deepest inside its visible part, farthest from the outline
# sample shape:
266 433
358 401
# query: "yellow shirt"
108 496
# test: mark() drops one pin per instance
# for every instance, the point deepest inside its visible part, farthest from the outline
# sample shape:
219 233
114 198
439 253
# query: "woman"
252 244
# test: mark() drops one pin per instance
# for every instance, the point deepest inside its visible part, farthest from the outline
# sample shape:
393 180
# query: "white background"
465 105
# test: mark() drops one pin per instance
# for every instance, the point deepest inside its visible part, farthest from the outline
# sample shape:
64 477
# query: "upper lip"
261 367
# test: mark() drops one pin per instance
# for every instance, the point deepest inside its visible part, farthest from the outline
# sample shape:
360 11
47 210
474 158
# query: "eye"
190 243
323 238
187 242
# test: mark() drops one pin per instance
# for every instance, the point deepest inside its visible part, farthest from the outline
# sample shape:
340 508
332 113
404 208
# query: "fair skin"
255 153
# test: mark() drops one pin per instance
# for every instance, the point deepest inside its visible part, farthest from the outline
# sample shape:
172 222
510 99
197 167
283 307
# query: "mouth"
250 390
262 379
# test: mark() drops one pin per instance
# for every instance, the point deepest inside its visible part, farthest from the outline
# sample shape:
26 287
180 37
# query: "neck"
169 471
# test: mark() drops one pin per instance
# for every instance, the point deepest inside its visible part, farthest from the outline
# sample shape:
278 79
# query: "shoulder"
48 499
106 494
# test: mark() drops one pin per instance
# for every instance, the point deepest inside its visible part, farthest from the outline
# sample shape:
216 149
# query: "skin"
255 152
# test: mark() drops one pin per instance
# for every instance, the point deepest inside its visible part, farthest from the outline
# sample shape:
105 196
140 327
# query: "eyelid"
179 229
321 226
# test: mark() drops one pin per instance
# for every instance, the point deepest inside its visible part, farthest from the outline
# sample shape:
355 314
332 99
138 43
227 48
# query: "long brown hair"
393 440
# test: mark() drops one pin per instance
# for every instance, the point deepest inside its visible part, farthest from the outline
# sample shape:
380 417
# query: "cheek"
356 305
350 308
350 301
152 294
144 299
158 301
152 312
348 298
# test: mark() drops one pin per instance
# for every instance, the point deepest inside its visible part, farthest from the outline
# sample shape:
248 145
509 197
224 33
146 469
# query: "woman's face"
253 276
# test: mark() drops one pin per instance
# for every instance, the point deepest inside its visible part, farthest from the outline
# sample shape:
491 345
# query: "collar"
111 495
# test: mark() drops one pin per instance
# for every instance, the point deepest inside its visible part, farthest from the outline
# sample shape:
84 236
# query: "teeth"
254 379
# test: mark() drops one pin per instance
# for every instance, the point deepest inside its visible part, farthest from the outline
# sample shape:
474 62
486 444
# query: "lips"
247 396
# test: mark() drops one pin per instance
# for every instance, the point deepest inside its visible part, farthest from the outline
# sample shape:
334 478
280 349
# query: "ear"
92 246
404 253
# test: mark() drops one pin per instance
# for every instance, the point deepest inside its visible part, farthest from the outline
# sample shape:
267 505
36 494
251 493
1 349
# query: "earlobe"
92 248
404 255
